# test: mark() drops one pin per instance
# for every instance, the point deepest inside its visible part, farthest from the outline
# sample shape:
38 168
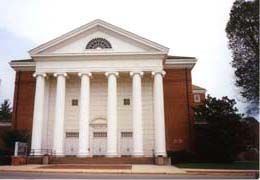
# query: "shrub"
181 156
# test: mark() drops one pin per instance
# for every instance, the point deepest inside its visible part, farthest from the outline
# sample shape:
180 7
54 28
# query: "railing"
40 152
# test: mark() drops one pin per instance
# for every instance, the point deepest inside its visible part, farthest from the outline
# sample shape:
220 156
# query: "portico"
112 110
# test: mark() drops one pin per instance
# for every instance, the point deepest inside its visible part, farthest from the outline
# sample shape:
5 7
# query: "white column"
137 114
158 108
84 115
112 114
58 135
38 114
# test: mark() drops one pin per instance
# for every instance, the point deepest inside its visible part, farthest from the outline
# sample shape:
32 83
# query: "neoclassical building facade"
100 90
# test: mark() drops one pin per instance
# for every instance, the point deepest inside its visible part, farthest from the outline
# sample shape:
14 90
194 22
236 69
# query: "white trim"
23 66
97 23
179 63
97 56
198 91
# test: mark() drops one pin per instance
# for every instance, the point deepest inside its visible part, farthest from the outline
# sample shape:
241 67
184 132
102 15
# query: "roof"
179 57
97 23
198 89
22 60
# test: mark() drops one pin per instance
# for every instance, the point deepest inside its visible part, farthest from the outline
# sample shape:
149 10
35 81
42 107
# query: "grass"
249 165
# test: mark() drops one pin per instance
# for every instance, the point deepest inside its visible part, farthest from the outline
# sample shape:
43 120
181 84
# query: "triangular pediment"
78 40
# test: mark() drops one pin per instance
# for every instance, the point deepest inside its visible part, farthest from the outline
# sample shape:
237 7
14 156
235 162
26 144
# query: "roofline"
92 24
22 65
180 63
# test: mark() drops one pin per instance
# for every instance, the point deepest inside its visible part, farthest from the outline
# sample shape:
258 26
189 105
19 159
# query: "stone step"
102 160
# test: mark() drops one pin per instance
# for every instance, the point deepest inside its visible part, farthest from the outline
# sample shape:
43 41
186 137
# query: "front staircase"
93 160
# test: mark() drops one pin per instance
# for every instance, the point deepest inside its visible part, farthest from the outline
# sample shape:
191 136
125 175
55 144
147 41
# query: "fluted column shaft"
58 135
159 123
38 114
84 115
112 114
137 113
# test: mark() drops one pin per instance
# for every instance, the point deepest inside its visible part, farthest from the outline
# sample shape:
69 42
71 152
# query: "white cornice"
179 63
199 91
93 24
23 66
101 56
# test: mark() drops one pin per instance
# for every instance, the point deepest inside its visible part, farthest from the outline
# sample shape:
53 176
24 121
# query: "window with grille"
126 134
74 102
126 101
196 98
72 134
99 134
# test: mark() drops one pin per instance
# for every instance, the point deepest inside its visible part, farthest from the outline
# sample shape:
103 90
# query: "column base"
138 154
161 154
83 155
59 154
114 154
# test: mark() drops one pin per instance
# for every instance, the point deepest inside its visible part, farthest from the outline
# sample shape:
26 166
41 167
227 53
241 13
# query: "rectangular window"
99 134
196 98
74 102
127 102
72 134
126 134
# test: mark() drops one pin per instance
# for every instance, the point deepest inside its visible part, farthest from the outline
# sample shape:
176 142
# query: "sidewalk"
136 169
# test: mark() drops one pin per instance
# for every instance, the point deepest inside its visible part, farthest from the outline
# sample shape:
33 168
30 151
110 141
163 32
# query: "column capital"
60 74
158 72
39 74
140 73
80 74
112 73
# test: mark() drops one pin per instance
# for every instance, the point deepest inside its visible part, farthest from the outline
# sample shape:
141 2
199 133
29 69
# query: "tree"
243 34
10 136
220 138
5 111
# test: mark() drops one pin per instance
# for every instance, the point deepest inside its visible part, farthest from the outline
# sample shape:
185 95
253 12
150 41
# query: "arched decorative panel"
98 43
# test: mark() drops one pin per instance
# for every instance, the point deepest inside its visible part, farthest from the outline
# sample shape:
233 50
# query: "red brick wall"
23 100
178 112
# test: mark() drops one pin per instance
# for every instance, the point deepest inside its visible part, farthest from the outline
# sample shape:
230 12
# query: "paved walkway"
136 169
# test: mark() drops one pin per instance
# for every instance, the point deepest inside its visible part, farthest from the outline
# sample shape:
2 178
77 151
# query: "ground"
254 165
20 175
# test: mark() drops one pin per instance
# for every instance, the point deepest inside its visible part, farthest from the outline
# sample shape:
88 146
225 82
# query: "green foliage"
9 137
5 111
181 156
243 34
221 138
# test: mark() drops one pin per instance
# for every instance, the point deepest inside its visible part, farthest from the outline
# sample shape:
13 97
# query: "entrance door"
126 146
99 143
71 146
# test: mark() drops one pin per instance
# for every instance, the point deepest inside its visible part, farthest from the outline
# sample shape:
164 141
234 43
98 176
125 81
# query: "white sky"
188 28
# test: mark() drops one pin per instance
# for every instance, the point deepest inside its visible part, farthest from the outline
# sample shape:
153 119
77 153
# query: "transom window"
126 134
99 134
72 134
98 43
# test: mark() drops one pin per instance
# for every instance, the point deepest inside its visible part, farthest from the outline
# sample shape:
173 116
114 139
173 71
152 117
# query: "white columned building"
103 95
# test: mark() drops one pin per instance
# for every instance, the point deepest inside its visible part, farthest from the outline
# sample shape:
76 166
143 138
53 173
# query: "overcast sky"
188 28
